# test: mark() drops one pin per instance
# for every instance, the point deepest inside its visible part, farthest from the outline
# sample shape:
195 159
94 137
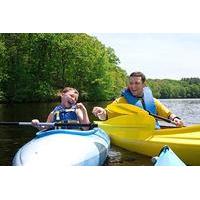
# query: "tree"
36 66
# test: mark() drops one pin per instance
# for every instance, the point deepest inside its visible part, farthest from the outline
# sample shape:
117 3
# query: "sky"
157 55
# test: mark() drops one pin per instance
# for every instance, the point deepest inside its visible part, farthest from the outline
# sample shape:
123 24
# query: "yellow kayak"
137 133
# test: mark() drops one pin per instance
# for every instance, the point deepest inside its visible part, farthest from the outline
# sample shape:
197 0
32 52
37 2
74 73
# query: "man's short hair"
138 74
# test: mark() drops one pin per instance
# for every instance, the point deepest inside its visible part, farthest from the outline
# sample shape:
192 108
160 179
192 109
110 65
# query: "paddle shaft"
162 118
47 124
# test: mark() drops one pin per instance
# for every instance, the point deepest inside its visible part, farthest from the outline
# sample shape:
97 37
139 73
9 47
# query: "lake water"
13 137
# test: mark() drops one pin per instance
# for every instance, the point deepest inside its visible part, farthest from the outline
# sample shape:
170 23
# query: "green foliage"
185 88
33 67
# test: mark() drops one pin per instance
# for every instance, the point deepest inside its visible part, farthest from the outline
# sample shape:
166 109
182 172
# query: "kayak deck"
167 157
62 147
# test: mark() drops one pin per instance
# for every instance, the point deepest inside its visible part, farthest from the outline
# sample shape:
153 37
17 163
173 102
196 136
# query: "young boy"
68 110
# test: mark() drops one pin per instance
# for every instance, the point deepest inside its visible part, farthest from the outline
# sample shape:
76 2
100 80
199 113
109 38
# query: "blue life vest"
62 114
148 103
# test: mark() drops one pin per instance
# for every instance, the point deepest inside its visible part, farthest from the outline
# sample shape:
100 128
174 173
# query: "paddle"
123 121
55 124
128 121
129 109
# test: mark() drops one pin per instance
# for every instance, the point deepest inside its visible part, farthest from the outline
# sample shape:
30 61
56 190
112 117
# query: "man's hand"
99 112
176 120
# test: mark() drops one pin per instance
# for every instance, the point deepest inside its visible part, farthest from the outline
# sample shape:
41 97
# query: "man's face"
136 86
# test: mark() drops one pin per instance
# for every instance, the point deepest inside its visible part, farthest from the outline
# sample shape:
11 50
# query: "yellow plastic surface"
137 133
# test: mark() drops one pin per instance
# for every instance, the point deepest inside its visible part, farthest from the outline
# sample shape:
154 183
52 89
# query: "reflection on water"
187 109
121 157
12 137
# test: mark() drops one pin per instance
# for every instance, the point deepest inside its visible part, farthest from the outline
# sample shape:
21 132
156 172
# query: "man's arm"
163 111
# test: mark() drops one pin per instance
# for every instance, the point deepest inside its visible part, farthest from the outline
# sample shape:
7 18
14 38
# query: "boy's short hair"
67 89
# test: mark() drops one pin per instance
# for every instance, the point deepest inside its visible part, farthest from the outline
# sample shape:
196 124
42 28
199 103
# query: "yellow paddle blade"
126 109
136 120
127 126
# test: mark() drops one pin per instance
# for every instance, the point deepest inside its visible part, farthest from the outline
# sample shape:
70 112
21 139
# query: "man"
139 95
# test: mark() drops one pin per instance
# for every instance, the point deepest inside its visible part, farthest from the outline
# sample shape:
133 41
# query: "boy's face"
70 97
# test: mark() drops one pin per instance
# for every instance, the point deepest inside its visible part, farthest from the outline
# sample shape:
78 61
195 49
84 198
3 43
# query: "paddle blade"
127 127
126 109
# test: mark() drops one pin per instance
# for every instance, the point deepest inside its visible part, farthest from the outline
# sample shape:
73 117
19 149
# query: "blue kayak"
167 158
64 147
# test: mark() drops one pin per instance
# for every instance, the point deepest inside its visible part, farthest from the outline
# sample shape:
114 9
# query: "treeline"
184 88
33 67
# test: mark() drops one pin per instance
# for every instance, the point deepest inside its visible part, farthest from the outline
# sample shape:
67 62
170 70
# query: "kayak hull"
64 147
184 141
